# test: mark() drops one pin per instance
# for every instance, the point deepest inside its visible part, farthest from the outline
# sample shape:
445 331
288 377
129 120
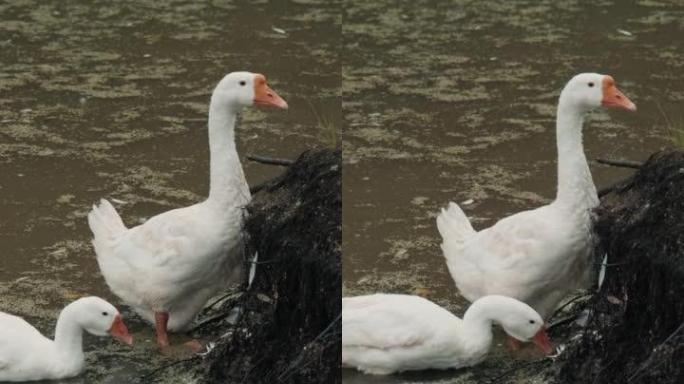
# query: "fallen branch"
620 163
270 160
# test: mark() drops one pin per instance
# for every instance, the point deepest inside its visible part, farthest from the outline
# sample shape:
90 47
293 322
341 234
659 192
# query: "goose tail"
453 225
105 222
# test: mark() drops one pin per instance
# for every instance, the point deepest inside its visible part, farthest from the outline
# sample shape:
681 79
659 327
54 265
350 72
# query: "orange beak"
541 340
265 96
613 98
120 332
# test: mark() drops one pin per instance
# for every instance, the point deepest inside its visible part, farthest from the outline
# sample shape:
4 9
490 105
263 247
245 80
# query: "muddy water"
111 101
457 102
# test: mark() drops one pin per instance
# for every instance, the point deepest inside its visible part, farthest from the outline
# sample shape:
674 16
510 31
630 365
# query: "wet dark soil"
635 332
289 330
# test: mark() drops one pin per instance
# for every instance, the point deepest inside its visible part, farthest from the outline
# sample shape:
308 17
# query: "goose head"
587 91
244 89
520 321
100 318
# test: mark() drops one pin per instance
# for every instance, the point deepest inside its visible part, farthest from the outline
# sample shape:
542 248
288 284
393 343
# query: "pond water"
456 102
111 101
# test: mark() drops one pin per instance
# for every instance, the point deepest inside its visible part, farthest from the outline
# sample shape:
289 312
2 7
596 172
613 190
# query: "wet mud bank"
289 330
635 331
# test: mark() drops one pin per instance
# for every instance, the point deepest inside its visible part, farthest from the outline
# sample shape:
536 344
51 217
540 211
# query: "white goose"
387 333
537 256
27 355
168 267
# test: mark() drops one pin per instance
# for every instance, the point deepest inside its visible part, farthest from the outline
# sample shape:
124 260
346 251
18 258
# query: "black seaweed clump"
635 332
290 328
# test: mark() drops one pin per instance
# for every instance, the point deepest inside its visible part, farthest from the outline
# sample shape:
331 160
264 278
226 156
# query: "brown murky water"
457 102
111 101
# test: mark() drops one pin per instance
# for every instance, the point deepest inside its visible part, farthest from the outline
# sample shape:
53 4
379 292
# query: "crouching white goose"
387 333
537 256
27 355
168 267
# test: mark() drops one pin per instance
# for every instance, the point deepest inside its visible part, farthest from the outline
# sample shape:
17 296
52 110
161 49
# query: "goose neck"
69 339
575 185
477 327
227 181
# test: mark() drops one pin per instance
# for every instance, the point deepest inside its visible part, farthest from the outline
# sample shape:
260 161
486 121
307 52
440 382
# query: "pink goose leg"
161 320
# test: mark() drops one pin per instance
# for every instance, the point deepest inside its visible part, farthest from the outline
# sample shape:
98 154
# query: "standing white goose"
387 333
26 355
537 256
168 267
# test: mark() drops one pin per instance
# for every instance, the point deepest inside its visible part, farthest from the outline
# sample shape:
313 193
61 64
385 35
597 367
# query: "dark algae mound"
635 332
290 327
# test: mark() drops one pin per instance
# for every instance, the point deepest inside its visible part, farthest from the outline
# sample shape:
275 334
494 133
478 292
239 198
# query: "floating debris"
419 200
624 32
66 198
278 30
19 280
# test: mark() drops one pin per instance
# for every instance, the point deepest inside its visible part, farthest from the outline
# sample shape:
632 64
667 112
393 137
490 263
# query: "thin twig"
298 359
231 299
562 307
613 264
620 163
211 320
220 299
270 160
251 369
258 187
255 189
645 364
560 322
603 369
613 187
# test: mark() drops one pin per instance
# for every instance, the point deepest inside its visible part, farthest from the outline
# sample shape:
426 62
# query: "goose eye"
243 83
105 313
591 84
531 321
